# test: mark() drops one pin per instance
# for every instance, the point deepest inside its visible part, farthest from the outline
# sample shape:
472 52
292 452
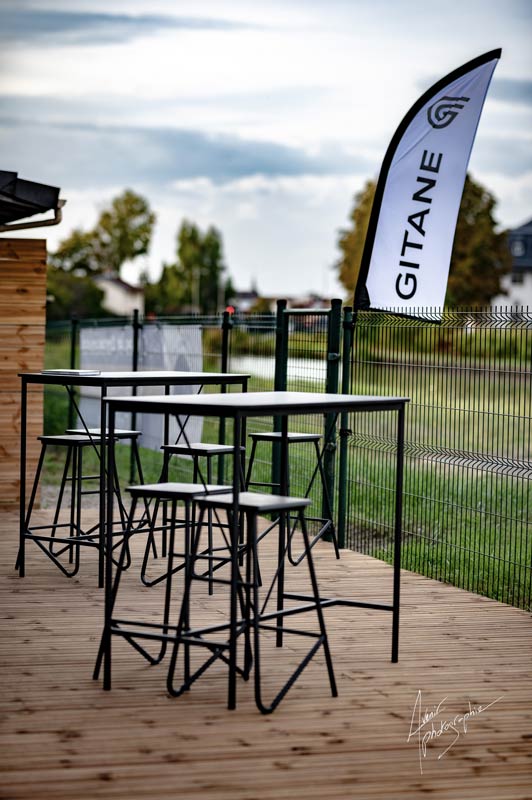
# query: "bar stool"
275 438
196 451
172 493
74 445
161 495
120 435
255 618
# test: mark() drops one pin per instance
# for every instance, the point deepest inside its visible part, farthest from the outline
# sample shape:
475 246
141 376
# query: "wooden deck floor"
63 737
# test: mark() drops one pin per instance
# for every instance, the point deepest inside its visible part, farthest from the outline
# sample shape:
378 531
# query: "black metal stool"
74 444
275 438
172 493
196 451
119 435
162 495
255 618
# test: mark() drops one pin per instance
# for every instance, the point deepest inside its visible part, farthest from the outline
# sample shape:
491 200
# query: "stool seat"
82 440
255 501
173 491
198 449
119 433
275 436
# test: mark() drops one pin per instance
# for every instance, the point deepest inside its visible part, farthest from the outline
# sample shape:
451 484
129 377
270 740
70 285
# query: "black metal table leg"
234 541
103 484
108 445
284 490
21 559
397 532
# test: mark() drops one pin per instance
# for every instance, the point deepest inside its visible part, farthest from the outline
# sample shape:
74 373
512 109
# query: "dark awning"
20 198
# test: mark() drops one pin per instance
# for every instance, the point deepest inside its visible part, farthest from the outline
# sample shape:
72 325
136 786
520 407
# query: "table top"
132 378
256 403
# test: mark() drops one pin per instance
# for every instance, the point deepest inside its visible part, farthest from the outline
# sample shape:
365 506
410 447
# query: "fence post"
227 324
74 325
136 330
344 420
280 380
136 327
331 387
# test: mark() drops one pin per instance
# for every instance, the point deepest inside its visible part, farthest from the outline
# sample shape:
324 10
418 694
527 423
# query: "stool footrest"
294 631
129 633
220 581
327 602
80 539
185 638
289 612
159 627
188 638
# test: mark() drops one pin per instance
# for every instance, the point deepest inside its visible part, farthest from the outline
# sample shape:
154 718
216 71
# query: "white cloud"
514 197
279 232
326 78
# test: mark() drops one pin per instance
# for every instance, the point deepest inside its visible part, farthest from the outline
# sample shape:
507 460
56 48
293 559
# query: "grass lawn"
467 511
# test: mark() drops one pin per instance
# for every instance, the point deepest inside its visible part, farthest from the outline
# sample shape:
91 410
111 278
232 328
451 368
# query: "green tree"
123 232
351 240
77 254
480 256
200 266
166 296
196 282
70 294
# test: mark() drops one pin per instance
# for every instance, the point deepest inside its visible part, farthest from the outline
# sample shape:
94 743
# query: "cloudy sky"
261 117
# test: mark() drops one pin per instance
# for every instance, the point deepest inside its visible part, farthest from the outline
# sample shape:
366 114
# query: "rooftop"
20 198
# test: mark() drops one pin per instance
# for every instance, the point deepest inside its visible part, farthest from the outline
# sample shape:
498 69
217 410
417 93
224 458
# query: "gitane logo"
443 112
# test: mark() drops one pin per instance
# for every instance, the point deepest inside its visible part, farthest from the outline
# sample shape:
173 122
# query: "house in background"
518 283
244 300
120 298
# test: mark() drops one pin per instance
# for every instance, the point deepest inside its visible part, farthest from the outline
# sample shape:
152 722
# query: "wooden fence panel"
22 341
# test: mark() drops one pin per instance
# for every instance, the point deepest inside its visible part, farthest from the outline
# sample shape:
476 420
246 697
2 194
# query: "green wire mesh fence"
468 463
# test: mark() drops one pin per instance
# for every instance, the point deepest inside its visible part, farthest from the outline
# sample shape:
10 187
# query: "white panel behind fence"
161 347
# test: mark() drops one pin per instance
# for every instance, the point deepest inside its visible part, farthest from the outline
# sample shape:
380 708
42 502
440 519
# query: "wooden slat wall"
22 339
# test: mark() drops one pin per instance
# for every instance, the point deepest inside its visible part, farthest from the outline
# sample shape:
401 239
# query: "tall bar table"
240 406
105 381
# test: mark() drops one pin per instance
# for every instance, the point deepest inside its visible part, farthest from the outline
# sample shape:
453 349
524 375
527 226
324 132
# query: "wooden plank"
22 249
29 352
11 272
22 340
63 737
14 312
11 382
